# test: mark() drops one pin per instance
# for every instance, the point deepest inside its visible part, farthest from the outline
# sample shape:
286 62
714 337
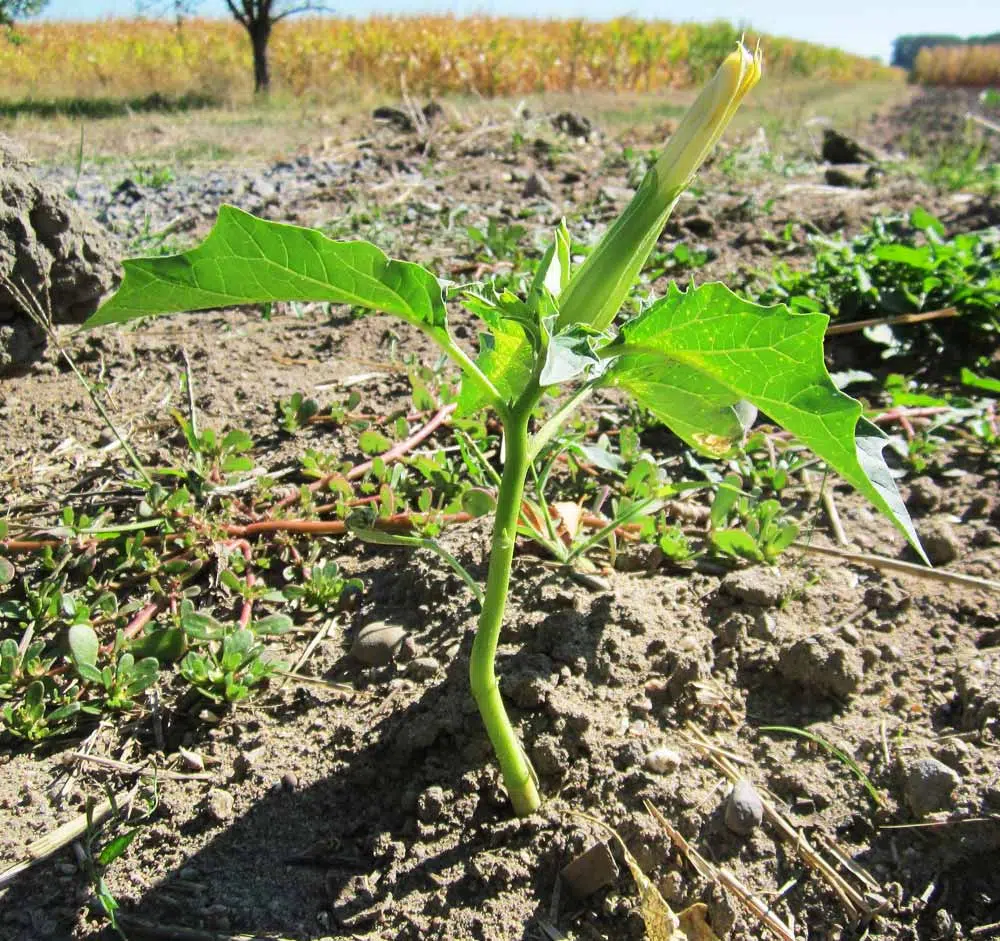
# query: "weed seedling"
692 358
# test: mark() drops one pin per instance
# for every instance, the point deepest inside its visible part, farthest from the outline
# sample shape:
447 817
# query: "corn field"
328 59
970 66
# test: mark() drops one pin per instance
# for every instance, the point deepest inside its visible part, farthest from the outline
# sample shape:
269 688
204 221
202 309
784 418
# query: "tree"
258 18
13 10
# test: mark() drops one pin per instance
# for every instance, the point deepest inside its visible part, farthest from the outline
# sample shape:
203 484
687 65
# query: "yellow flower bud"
597 289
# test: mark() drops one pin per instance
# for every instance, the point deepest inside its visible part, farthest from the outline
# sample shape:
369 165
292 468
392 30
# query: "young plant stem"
518 775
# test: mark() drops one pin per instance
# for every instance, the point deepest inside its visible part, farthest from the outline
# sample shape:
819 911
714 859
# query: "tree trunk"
260 33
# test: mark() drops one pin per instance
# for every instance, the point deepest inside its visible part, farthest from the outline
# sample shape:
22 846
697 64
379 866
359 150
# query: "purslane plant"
702 360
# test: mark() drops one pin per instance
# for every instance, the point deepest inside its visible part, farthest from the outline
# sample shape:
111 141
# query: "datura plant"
702 360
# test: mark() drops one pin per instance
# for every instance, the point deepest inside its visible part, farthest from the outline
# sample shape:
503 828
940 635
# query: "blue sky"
866 27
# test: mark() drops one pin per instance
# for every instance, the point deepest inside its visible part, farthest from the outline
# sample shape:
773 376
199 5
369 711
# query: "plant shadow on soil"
411 833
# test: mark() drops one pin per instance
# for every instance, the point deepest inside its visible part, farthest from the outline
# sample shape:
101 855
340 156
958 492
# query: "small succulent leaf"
969 378
737 542
718 349
6 571
90 673
83 644
478 502
165 645
144 674
273 624
116 847
246 260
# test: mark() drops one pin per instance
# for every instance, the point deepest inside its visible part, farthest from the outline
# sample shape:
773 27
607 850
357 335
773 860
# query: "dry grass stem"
907 568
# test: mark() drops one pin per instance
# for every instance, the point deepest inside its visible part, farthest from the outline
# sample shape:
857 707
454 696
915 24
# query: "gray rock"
50 253
928 785
378 643
590 871
824 664
744 809
940 542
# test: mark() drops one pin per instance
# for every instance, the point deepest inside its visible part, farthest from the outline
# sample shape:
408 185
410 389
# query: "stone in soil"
744 810
977 682
590 871
823 664
378 643
925 495
928 784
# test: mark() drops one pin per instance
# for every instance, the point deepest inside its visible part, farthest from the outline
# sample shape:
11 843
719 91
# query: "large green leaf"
695 355
246 260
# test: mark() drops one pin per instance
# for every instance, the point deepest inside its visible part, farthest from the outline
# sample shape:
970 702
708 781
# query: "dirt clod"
928 785
761 586
940 542
839 148
49 252
823 664
220 805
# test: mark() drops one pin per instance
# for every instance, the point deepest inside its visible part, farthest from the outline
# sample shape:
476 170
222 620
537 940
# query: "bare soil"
375 811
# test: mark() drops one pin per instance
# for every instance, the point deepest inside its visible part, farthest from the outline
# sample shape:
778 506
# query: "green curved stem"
518 775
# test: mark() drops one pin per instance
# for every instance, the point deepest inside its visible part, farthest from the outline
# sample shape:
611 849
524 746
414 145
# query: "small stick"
709 871
990 126
908 568
145 770
150 929
855 325
853 901
314 642
833 514
63 836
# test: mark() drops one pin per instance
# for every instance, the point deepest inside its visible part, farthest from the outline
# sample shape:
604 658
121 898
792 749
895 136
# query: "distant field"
967 66
327 59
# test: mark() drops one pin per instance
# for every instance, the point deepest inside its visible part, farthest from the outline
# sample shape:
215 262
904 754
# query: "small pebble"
928 785
662 760
422 668
220 805
378 643
590 871
744 810
289 781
